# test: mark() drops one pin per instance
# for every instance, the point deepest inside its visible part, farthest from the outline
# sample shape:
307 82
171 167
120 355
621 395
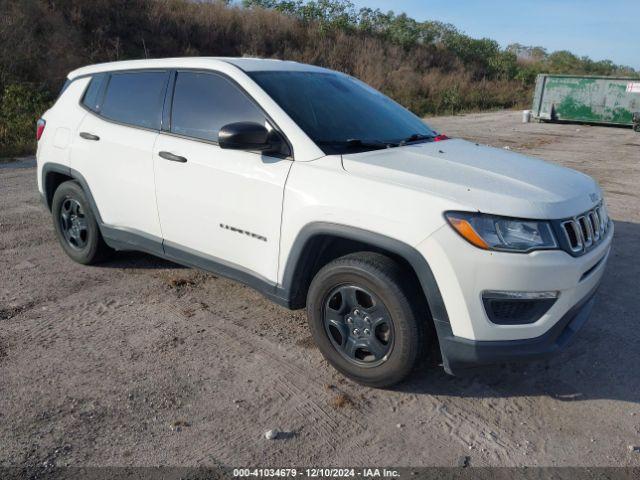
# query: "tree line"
430 67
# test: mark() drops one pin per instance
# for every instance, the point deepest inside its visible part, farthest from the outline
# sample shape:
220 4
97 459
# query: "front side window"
339 112
135 98
203 103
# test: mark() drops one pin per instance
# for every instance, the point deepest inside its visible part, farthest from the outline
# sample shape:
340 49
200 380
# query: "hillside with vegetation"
430 67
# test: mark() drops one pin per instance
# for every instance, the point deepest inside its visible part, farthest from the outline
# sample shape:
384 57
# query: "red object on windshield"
440 137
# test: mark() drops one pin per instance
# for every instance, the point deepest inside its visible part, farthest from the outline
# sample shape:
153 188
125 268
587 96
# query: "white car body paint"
66 115
481 178
220 188
119 169
401 193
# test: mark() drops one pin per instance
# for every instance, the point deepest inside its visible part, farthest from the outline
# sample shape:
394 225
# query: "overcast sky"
605 29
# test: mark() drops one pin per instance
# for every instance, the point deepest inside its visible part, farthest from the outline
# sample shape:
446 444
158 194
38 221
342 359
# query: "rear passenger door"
223 206
113 149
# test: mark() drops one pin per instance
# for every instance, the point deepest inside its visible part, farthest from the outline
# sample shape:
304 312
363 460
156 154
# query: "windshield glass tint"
333 108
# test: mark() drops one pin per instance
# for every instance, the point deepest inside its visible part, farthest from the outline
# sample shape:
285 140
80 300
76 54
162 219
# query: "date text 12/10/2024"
316 472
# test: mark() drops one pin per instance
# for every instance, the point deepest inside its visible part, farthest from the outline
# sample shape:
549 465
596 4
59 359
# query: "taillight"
440 137
40 128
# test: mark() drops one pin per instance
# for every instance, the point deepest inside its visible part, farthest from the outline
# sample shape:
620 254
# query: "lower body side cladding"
452 275
464 272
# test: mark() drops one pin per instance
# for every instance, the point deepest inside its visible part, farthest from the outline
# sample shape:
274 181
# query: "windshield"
342 114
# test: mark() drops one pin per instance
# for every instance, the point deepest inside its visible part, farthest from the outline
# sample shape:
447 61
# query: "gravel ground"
143 362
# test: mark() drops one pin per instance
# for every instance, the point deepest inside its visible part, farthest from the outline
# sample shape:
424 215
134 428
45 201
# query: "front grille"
586 230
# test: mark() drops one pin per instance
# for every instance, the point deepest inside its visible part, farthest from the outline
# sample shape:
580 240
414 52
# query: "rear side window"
203 103
135 98
91 98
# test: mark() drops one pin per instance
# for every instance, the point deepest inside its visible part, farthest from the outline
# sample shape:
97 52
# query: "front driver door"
217 205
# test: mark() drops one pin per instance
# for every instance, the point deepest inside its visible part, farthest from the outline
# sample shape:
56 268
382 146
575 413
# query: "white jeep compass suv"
319 191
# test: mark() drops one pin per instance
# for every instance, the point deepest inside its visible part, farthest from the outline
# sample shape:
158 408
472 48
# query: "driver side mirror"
250 136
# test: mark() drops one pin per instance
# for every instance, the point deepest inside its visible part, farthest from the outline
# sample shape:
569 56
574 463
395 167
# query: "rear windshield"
339 112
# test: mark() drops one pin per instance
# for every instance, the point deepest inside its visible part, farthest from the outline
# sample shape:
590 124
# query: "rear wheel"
76 226
361 315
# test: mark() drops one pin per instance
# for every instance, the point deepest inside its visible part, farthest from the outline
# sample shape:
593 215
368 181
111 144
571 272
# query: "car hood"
482 178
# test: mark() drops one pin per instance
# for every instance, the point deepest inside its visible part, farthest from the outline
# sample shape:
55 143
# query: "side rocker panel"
127 239
121 239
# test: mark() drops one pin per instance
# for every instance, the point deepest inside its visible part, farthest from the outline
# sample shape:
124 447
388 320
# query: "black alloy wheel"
366 316
73 224
76 226
359 325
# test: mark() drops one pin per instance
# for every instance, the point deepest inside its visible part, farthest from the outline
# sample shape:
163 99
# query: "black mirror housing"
249 136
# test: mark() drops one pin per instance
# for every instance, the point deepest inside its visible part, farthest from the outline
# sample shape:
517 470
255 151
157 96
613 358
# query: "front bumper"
462 272
459 353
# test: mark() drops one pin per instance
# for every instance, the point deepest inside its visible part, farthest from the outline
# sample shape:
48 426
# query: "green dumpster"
587 99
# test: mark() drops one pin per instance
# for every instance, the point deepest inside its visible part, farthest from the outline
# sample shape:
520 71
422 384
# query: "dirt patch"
178 425
108 360
7 313
184 281
306 342
342 400
181 281
10 312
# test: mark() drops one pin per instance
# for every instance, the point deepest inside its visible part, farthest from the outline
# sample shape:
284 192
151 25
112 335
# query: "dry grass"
425 78
179 282
342 400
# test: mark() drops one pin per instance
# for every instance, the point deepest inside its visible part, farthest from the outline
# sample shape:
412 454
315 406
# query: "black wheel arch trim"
125 239
457 353
294 268
117 238
294 265
47 196
128 239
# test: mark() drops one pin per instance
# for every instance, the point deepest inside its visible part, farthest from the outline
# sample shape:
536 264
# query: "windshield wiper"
358 143
415 138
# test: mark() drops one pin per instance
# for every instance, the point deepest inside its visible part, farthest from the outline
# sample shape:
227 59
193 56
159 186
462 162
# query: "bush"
429 67
20 107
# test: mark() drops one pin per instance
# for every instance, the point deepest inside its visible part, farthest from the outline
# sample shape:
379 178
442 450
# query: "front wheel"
362 316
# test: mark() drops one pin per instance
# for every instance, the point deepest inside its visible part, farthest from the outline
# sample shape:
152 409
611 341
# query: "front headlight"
491 232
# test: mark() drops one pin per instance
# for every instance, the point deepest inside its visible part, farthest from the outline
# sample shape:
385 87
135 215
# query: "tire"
378 285
70 208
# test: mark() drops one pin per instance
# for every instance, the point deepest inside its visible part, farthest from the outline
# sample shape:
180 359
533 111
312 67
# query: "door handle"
174 158
89 136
